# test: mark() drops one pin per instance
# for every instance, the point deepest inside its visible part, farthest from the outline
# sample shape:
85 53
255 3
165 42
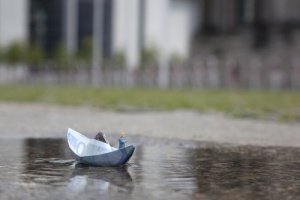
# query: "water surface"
159 169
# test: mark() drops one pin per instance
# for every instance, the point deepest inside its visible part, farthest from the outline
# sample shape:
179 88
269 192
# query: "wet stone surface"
44 169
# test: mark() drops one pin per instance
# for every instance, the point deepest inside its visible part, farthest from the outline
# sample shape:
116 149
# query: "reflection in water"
38 165
47 161
158 170
246 172
84 176
38 157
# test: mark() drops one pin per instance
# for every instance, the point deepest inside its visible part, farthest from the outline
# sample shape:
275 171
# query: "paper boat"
97 153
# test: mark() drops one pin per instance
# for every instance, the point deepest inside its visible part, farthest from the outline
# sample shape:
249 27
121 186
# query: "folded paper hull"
92 152
114 158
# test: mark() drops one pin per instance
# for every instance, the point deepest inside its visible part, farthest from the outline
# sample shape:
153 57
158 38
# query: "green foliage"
2 59
176 58
35 55
282 106
118 59
62 59
17 53
14 53
85 52
149 56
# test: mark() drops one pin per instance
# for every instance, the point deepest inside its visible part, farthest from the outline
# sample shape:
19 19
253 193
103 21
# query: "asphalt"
46 121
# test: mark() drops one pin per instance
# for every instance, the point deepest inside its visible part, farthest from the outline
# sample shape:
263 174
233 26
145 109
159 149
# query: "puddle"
44 168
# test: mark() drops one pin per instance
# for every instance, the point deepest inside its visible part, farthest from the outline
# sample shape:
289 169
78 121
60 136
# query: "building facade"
131 26
127 26
167 26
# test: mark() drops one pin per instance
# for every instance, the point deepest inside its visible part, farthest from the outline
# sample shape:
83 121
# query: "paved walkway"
38 120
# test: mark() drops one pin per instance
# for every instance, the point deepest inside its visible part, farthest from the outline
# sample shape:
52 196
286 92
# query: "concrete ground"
39 120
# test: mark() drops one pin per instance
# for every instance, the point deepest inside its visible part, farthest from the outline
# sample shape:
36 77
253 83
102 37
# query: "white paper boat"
94 152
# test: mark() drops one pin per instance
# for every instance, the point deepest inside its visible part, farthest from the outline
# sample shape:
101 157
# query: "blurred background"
151 43
196 65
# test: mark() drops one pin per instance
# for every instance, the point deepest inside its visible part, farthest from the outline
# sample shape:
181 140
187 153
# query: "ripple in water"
45 168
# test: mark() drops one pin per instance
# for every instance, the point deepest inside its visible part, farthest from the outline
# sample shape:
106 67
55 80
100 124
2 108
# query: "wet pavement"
159 169
42 120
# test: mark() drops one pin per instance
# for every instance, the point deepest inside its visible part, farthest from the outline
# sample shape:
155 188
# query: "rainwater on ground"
159 169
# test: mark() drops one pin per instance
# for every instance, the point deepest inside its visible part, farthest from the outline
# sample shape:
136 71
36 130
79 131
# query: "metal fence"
205 72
